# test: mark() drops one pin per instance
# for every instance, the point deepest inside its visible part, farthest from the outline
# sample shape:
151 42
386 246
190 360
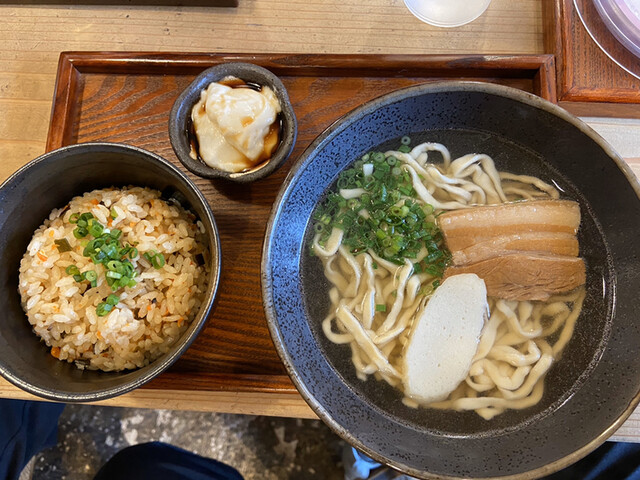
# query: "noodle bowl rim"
303 163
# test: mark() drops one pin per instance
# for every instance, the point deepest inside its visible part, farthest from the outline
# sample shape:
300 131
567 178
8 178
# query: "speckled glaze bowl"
588 393
27 198
180 119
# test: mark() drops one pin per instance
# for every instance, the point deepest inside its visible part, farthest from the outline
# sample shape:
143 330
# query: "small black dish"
180 120
27 198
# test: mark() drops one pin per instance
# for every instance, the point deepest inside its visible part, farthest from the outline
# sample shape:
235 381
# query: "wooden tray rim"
557 41
73 64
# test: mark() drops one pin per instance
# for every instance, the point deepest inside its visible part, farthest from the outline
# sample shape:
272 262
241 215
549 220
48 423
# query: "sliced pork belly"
444 339
525 276
535 242
466 227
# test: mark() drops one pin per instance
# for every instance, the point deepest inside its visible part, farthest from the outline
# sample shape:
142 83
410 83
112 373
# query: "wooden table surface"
32 37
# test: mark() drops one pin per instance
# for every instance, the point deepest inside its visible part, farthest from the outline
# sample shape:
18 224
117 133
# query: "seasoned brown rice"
150 316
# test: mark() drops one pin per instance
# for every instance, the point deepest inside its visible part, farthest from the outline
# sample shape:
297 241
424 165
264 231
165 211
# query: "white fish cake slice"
445 339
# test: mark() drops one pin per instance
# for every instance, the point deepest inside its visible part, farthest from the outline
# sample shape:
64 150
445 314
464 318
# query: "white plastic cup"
447 13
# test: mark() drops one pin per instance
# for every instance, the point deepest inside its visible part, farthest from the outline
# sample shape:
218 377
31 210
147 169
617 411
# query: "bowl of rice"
110 266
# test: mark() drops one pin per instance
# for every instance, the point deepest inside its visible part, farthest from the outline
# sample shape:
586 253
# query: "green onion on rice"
149 317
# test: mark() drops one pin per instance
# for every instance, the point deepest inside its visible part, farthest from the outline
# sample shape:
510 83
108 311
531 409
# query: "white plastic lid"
622 18
447 13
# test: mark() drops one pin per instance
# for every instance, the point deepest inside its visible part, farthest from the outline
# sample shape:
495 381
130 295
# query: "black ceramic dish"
182 137
588 394
27 198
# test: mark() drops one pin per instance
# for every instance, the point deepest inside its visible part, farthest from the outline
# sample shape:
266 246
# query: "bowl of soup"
234 122
450 286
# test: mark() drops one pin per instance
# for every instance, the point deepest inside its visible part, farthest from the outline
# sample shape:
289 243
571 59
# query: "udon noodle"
520 340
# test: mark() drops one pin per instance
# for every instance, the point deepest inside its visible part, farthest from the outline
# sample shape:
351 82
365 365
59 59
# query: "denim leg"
156 460
26 428
610 461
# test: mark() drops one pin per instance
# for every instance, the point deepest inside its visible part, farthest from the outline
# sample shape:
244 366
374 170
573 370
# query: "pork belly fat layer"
536 242
462 227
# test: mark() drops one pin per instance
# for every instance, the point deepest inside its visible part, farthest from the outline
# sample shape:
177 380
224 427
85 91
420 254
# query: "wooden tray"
585 73
126 97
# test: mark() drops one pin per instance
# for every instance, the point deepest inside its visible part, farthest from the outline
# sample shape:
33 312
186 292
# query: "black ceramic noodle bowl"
589 392
26 199
181 132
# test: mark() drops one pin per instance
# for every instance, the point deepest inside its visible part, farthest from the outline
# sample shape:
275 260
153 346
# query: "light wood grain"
249 403
622 133
271 404
32 37
126 96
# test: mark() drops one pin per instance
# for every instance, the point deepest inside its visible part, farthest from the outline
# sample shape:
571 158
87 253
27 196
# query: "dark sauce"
274 129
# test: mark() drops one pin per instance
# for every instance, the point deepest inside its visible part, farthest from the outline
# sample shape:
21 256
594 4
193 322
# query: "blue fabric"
28 427
356 464
610 461
156 460
25 429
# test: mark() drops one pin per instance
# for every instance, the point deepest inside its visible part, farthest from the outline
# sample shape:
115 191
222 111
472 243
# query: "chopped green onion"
80 232
110 250
90 275
114 213
381 307
95 228
105 248
113 265
72 270
388 218
406 140
158 261
113 299
103 309
63 245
